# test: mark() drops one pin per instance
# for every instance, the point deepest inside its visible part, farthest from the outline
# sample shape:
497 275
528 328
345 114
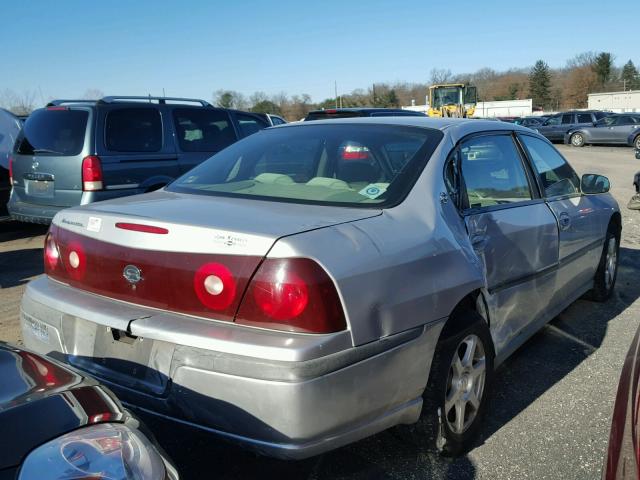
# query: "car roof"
359 109
456 127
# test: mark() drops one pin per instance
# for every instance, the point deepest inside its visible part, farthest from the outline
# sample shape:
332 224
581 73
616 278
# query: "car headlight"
105 451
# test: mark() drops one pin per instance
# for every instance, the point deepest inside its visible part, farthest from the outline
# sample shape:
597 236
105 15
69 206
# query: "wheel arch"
474 301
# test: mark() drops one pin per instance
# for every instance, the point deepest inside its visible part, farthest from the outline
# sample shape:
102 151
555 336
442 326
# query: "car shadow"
559 348
10 230
17 267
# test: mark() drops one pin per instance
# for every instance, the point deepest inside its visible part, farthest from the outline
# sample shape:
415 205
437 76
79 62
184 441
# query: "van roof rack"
149 98
55 103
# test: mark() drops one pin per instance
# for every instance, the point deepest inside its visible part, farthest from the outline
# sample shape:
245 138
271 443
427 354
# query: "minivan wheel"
577 140
461 376
604 280
636 143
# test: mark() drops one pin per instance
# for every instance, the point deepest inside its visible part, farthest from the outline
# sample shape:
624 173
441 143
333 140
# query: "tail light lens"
51 253
91 174
355 152
293 294
10 170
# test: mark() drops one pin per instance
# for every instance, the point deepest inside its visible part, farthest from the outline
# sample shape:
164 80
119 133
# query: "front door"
512 231
579 232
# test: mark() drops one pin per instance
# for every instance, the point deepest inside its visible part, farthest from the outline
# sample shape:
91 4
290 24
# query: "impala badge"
132 274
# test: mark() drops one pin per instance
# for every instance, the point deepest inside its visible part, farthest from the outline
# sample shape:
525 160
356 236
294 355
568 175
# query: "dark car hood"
41 399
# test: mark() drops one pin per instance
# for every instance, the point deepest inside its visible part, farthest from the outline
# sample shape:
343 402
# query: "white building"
506 108
619 102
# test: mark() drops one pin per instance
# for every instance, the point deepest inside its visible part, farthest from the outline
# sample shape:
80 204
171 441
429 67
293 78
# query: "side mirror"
592 183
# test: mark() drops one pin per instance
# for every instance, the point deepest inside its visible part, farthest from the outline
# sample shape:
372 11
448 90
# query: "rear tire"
636 142
577 140
604 281
456 397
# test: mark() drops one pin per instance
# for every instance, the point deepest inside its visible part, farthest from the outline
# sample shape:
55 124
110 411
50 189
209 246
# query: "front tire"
577 140
460 379
604 280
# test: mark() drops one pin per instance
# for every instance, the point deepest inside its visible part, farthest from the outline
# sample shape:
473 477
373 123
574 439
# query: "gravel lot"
552 401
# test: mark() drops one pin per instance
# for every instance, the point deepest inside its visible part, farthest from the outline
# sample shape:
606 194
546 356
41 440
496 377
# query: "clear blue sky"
192 48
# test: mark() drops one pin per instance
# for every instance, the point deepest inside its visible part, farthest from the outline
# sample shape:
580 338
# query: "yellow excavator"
452 100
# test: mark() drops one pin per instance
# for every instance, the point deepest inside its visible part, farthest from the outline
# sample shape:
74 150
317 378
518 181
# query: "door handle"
564 220
478 241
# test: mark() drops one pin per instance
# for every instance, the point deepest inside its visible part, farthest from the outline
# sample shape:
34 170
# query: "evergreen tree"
603 66
630 76
540 84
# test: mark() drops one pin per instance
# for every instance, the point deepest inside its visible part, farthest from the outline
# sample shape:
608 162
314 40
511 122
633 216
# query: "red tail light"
293 294
51 253
10 170
91 174
355 152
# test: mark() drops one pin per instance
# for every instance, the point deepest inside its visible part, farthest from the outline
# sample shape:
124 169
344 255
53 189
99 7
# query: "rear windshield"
53 132
336 164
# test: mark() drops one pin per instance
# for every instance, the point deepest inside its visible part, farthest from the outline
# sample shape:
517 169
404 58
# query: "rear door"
200 133
48 155
135 146
577 216
620 131
511 229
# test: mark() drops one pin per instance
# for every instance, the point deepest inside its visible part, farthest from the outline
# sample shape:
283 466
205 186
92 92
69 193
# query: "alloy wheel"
577 140
465 384
611 263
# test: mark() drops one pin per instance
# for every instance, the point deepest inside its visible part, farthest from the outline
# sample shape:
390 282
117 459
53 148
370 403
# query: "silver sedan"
607 130
319 282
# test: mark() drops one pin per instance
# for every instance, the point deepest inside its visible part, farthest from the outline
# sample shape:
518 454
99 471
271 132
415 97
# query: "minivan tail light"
293 294
91 173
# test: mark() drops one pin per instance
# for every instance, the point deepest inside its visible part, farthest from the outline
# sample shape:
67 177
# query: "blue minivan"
74 152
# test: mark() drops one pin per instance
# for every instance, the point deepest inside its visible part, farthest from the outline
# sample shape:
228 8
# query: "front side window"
553 121
203 130
133 130
354 165
556 175
493 172
584 118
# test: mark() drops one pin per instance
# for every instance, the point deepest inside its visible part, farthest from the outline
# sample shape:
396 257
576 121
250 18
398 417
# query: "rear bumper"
286 395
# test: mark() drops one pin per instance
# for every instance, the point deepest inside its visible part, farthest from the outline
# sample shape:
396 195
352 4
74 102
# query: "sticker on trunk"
94 224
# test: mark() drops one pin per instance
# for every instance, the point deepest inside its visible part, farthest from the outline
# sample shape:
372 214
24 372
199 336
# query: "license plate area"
124 360
39 188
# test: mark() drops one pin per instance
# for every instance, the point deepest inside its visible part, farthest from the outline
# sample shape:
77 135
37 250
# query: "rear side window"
556 175
493 172
249 124
203 130
53 132
133 130
567 119
584 118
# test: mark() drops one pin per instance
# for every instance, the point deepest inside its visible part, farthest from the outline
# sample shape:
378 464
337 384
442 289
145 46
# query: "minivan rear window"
53 132
133 130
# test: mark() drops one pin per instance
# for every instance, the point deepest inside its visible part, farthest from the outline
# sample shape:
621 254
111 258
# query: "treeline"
550 88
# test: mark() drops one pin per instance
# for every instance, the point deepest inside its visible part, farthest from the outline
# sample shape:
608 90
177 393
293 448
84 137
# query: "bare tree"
19 103
440 76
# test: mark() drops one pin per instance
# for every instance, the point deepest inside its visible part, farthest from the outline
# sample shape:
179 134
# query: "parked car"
329 113
612 129
622 459
303 288
75 152
57 423
272 119
556 127
10 125
633 140
530 122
